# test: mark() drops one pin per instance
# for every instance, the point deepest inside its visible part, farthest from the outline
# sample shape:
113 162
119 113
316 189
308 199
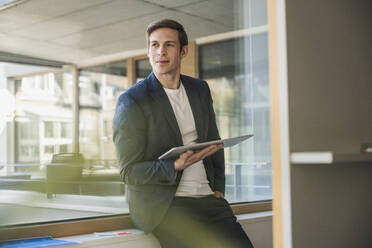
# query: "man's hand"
188 158
218 194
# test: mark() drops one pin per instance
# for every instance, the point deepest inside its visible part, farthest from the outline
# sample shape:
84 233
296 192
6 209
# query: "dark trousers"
201 222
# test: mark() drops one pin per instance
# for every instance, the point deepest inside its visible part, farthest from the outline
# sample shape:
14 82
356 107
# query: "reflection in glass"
41 128
143 69
99 88
43 116
237 73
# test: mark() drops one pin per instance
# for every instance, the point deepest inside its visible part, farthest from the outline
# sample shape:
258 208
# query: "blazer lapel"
194 99
161 100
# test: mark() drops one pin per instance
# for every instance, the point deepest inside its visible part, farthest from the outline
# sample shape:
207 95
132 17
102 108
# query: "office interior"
296 74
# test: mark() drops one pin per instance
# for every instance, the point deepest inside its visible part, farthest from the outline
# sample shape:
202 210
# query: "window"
237 73
39 128
66 129
42 103
100 86
49 129
49 149
27 146
64 148
143 69
39 124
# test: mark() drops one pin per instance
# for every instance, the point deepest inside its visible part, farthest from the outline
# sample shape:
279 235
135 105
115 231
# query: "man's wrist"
176 168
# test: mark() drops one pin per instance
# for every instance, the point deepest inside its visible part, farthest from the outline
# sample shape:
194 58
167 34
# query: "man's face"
164 51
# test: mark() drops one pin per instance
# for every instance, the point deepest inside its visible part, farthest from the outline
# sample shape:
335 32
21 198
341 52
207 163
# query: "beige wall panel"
275 125
131 71
189 64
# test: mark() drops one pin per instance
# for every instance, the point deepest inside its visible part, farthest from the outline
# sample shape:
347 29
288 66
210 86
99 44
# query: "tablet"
176 151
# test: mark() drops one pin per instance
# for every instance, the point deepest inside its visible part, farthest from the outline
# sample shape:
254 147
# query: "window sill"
99 224
138 239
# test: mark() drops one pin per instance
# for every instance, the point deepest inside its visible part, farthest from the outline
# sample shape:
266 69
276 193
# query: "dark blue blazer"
144 128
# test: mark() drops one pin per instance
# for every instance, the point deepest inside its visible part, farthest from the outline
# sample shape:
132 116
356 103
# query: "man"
180 200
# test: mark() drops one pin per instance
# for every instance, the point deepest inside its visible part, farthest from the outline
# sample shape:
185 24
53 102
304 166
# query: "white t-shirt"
194 182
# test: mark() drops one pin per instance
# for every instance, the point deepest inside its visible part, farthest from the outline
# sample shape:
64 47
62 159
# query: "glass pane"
237 73
49 129
39 127
43 103
115 68
143 69
99 87
43 129
250 13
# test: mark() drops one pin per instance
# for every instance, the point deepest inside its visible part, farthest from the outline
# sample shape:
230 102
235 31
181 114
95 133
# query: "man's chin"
160 72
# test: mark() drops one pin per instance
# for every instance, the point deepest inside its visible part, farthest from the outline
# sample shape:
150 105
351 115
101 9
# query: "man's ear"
184 51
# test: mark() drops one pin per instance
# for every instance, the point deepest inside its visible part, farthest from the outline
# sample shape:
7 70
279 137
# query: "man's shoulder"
191 79
195 82
135 92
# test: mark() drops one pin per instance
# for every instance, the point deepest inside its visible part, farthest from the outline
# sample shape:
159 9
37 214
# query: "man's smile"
162 61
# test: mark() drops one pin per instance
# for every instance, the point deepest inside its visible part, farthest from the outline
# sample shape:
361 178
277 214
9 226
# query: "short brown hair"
168 23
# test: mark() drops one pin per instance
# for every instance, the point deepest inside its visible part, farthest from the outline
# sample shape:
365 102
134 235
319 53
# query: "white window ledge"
138 239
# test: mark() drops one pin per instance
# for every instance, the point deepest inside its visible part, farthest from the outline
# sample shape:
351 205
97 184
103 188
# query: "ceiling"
74 31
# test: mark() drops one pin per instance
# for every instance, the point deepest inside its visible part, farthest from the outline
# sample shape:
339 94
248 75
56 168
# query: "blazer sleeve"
218 158
130 136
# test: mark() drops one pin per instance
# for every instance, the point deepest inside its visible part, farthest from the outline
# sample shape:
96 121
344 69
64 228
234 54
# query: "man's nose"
162 50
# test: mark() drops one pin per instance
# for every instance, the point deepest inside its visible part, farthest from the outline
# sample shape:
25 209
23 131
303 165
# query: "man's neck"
169 81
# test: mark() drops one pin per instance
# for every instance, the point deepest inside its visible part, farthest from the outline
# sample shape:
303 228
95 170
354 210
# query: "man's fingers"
213 150
218 194
210 148
195 157
202 154
208 151
187 154
191 157
181 162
